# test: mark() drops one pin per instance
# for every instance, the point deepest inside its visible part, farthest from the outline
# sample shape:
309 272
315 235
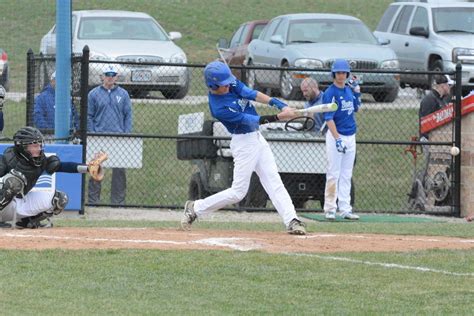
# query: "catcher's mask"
26 136
218 74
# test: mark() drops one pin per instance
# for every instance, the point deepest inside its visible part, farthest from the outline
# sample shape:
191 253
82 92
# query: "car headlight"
98 56
178 58
308 63
465 55
390 64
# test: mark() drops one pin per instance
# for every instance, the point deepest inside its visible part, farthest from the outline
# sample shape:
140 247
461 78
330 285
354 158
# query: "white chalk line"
382 264
218 242
229 242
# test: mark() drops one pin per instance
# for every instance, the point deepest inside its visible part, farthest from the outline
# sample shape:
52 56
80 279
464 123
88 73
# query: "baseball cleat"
350 216
330 216
189 216
296 227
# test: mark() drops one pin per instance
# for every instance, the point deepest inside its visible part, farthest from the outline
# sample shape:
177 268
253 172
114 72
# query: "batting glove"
340 146
277 103
354 84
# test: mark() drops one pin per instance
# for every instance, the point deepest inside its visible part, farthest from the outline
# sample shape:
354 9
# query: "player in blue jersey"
340 141
230 103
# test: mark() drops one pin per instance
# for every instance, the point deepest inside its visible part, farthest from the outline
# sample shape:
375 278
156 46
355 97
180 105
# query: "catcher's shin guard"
11 184
59 202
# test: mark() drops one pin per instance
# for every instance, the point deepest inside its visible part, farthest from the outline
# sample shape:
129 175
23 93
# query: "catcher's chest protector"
30 172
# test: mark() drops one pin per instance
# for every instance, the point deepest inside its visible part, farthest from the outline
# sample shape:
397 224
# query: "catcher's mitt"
95 166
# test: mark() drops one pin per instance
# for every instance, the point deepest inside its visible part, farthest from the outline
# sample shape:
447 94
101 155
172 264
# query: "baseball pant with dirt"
339 174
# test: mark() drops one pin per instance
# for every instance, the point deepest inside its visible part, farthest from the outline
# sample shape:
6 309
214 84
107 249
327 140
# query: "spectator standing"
436 98
109 111
45 107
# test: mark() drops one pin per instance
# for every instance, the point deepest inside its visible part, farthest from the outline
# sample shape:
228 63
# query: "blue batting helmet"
340 65
218 74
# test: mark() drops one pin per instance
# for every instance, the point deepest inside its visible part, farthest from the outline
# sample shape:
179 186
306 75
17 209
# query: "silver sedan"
313 42
135 41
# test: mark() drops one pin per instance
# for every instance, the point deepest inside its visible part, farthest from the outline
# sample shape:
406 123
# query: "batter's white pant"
251 153
339 174
34 203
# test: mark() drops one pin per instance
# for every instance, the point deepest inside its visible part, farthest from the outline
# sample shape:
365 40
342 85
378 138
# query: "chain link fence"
175 151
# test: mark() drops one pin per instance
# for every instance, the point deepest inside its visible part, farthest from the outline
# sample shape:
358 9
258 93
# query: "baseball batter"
20 167
230 103
340 141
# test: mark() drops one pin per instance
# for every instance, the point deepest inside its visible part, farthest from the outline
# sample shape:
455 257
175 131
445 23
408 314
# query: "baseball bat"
320 108
220 54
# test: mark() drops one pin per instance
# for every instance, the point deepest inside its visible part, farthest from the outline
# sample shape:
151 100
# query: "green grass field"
153 282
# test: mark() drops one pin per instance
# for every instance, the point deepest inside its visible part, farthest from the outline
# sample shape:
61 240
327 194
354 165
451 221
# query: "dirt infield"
166 239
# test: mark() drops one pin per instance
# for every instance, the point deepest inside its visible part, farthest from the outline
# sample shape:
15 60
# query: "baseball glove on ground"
95 166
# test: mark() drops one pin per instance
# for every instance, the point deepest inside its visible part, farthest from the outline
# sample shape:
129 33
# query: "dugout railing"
159 177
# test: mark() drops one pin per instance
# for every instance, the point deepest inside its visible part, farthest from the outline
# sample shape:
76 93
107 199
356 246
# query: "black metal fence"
175 151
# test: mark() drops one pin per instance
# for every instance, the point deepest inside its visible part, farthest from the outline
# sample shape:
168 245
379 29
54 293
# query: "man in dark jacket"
45 107
436 98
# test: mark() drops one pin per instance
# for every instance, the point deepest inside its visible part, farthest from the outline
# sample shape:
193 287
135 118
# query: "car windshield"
120 28
329 30
453 20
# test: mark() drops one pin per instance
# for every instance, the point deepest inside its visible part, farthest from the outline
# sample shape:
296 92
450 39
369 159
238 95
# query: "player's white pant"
34 203
251 153
339 174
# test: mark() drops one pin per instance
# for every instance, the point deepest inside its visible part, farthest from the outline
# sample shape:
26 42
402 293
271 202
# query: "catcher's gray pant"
339 174
34 203
118 190
251 153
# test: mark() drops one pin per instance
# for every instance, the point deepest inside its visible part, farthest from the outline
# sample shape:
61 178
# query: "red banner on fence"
445 115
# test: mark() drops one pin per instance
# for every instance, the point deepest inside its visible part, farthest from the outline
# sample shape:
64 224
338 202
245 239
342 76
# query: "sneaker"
331 216
189 216
350 216
296 227
5 225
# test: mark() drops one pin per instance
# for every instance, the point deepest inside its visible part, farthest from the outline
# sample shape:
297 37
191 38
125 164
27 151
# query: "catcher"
20 167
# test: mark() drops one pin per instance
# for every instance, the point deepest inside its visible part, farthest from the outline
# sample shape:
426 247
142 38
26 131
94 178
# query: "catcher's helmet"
2 94
218 74
340 65
25 136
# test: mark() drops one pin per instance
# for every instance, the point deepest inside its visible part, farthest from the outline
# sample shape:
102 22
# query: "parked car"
125 36
314 41
4 70
235 50
431 36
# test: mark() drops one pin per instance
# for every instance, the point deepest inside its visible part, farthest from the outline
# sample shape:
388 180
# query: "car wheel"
180 92
252 77
256 196
386 96
287 90
196 189
435 66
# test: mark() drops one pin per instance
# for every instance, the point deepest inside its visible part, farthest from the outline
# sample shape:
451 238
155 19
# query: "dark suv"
430 35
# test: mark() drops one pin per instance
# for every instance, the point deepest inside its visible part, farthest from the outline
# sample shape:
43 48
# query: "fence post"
30 86
457 141
83 115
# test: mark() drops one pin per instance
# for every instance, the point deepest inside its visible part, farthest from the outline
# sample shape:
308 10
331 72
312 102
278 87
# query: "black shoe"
5 225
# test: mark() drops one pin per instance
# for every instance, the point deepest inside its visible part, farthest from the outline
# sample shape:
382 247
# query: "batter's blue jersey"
234 109
347 104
